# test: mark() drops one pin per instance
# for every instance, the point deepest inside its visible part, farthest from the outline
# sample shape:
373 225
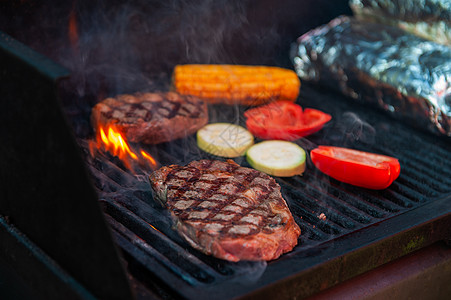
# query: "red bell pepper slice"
364 169
284 120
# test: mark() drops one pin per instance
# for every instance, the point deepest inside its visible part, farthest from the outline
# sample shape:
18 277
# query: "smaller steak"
151 118
225 210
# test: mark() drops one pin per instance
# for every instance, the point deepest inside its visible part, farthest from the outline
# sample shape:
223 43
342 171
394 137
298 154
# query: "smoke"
248 272
134 46
351 129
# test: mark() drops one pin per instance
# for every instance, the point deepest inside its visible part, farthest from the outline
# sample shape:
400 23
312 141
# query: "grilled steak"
151 118
228 211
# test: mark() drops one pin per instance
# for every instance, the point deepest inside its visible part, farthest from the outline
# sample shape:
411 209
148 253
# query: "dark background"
128 45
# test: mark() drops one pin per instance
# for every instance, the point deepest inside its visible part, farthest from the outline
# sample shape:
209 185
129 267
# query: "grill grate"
144 232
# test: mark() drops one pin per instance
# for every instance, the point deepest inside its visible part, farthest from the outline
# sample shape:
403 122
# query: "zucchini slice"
224 139
277 158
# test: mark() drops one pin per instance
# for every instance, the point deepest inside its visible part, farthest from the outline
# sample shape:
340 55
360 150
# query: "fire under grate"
336 219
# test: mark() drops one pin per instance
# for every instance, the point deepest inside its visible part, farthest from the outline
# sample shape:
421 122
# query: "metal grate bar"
307 215
320 188
353 199
155 243
409 193
148 250
375 199
396 198
309 232
411 180
340 215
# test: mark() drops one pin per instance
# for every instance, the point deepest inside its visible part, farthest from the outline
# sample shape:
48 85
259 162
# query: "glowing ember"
73 30
109 139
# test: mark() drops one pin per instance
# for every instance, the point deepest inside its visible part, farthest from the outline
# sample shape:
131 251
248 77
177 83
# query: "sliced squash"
277 158
224 139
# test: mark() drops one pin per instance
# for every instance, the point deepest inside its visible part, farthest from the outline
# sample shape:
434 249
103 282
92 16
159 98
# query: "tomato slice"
284 120
359 168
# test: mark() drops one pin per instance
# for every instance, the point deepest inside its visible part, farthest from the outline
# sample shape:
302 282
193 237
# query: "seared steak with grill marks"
228 211
151 118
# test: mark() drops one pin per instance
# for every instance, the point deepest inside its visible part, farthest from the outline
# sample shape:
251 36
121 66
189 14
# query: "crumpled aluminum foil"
403 74
430 19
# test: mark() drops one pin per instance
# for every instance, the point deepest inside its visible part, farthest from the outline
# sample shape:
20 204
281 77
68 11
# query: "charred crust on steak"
151 118
254 213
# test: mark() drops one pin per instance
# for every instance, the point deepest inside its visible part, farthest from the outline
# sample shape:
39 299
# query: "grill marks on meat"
226 210
151 118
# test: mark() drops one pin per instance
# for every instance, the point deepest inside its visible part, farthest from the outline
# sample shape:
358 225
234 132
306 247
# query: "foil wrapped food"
430 19
405 75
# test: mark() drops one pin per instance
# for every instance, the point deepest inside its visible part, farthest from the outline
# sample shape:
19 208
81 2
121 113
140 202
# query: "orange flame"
115 143
110 139
149 158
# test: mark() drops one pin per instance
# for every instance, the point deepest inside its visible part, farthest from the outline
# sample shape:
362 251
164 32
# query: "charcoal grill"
127 240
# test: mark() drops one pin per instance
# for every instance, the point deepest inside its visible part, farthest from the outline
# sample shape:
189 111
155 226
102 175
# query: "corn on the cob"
231 84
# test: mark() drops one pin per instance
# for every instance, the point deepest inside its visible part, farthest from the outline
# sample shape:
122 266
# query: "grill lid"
46 192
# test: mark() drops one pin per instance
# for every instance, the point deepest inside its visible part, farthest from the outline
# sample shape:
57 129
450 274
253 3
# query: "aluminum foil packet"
430 19
405 75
